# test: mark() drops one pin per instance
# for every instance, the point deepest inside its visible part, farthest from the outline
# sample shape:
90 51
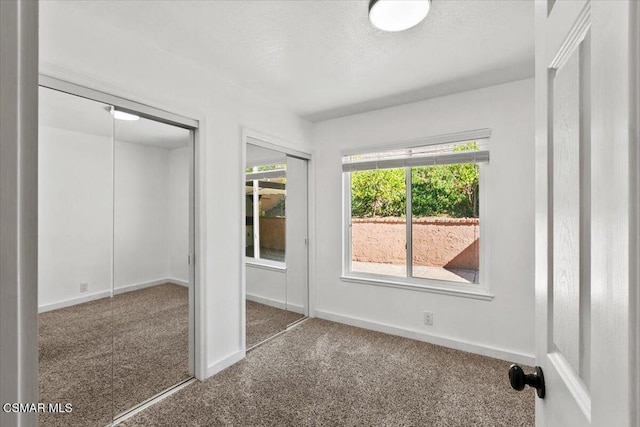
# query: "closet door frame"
261 139
19 208
197 365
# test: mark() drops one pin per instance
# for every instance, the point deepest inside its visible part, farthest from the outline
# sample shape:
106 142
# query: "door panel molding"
573 382
561 46
610 29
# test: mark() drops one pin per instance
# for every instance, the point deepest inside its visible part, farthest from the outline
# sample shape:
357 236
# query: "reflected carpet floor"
264 321
108 355
328 374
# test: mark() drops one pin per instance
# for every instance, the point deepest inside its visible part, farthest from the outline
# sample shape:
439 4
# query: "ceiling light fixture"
121 115
397 15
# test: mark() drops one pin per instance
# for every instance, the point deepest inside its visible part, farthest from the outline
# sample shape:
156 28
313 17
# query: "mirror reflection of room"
275 228
113 275
151 271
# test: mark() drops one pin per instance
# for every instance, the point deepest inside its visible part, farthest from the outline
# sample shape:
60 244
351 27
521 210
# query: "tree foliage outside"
379 192
447 190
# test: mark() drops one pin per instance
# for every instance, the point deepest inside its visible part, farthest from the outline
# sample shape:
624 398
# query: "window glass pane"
280 166
272 193
378 222
445 223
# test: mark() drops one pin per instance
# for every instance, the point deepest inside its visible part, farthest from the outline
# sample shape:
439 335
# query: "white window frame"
256 260
479 291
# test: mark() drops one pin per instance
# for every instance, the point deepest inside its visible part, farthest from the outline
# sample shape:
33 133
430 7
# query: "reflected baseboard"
73 301
143 285
275 303
105 294
177 281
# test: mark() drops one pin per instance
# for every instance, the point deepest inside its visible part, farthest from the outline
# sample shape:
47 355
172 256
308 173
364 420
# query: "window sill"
479 294
266 264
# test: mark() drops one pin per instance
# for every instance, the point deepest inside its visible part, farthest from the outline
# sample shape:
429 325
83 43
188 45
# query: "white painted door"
296 236
586 212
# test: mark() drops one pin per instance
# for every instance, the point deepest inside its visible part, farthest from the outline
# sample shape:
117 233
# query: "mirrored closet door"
276 242
75 258
151 271
115 288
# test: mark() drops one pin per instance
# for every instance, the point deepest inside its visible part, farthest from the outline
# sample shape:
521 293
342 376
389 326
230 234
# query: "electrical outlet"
84 287
428 318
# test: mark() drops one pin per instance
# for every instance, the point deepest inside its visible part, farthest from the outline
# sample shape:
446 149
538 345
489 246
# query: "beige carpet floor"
327 374
108 355
264 321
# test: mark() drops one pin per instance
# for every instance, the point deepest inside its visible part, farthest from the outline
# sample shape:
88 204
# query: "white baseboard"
496 353
178 281
138 286
224 363
275 303
266 301
73 301
104 294
295 308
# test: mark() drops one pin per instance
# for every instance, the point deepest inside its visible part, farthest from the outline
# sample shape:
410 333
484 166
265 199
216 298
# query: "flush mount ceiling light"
397 15
121 115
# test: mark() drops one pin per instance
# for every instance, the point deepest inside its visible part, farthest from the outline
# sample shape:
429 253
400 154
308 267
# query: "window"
413 214
266 199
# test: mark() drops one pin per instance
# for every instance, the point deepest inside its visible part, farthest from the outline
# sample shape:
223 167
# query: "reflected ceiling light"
121 115
397 15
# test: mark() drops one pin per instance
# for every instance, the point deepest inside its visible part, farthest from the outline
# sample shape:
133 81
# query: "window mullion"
409 224
349 221
256 220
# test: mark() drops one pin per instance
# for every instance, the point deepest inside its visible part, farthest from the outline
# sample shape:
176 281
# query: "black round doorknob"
519 379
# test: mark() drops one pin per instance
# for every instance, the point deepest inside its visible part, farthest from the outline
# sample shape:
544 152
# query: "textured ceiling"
323 59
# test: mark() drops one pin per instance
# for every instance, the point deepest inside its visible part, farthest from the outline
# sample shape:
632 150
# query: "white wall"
76 216
179 213
275 288
502 327
266 286
141 223
87 51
